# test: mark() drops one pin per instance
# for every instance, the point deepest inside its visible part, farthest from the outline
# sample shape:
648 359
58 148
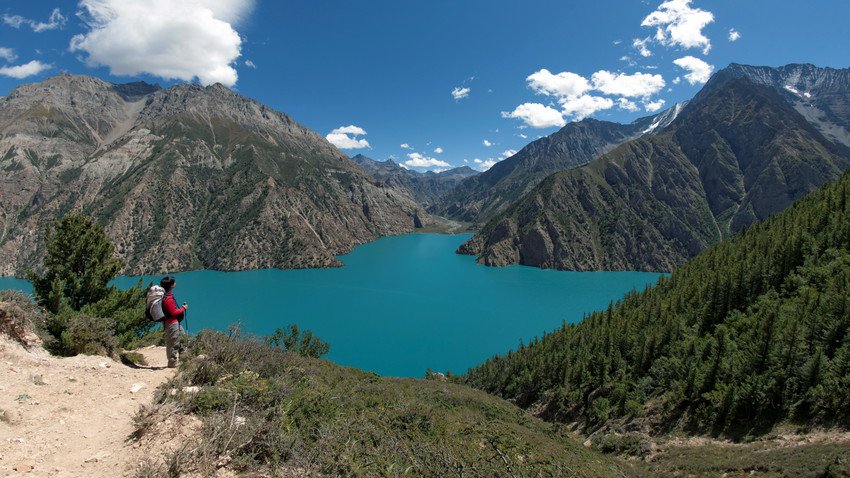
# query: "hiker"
171 322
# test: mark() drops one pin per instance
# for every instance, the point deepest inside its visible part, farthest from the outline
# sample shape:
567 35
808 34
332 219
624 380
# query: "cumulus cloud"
698 71
418 160
485 164
8 54
173 40
679 24
460 93
345 137
653 106
22 71
438 150
640 46
507 154
250 64
405 146
583 106
629 86
487 143
536 115
627 104
562 84
56 20
734 35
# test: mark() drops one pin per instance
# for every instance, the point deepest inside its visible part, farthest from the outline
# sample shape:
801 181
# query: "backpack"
154 303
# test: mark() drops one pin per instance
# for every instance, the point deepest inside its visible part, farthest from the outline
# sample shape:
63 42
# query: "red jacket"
173 315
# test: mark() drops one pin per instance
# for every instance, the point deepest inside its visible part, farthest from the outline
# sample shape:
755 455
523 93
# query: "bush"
88 335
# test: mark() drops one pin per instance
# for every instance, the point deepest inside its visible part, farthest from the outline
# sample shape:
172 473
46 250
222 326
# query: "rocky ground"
72 417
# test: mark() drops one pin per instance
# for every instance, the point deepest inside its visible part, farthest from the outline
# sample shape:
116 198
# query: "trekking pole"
186 318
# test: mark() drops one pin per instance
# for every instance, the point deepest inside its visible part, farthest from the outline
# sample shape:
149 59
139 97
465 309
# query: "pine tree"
78 266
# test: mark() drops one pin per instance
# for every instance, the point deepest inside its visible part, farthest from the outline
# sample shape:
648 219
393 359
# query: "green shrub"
88 335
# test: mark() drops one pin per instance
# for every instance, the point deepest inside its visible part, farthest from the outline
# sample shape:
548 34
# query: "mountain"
819 94
736 154
752 332
182 178
424 188
479 198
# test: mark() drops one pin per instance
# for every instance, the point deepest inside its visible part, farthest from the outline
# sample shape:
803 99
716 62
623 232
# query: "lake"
400 304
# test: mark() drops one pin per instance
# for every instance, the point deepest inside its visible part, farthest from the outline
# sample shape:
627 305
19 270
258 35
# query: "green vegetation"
752 332
293 340
85 313
821 459
269 412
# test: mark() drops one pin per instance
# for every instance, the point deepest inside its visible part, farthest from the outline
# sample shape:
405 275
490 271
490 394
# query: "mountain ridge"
182 178
737 153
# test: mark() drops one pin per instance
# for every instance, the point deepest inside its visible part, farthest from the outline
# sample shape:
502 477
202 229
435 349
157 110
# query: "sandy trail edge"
78 422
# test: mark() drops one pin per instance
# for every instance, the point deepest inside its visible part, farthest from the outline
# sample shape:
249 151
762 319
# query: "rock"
12 417
136 387
24 467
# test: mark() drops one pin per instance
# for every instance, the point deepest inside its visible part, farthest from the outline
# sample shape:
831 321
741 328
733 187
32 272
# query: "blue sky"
389 68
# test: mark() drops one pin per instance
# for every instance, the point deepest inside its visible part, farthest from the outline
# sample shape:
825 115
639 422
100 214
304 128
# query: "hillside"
425 188
736 154
182 178
478 198
751 333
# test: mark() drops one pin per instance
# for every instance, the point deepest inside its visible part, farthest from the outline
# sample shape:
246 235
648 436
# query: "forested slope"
751 332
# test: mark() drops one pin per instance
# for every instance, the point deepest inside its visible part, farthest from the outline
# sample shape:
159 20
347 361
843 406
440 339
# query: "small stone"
192 389
239 421
104 365
93 459
24 467
136 387
19 440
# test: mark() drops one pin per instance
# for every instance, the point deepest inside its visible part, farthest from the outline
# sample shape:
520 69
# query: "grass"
760 459
267 410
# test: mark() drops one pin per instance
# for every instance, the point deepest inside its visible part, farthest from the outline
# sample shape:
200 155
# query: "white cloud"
563 84
640 46
487 143
56 20
8 54
734 35
583 106
173 40
536 115
677 80
350 129
405 146
250 64
653 106
628 105
438 150
345 137
523 136
629 86
22 71
418 160
507 154
679 24
698 71
460 93
484 165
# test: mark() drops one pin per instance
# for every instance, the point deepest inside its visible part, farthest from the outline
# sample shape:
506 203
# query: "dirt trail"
71 417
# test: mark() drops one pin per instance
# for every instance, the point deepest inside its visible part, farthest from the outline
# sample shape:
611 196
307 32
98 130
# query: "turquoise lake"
400 304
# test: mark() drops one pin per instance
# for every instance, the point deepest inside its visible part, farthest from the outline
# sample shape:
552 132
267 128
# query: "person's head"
168 283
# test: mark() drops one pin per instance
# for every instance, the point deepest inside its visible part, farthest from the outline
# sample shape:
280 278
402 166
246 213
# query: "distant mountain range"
750 143
425 188
182 178
478 198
